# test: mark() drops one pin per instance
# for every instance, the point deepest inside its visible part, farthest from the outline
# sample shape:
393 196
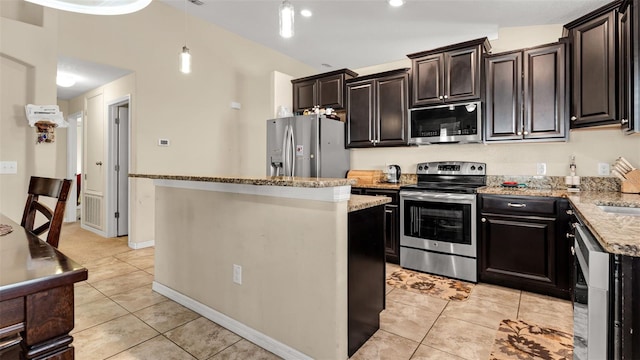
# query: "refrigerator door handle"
293 151
285 151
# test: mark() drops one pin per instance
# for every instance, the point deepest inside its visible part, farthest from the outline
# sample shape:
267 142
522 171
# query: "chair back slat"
55 188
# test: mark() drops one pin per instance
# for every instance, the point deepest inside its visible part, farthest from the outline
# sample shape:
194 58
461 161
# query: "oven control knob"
419 167
473 167
426 167
479 168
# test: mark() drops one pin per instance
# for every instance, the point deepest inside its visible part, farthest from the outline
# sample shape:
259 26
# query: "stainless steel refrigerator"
306 146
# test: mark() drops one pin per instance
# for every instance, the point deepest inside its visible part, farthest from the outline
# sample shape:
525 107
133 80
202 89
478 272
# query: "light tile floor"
119 317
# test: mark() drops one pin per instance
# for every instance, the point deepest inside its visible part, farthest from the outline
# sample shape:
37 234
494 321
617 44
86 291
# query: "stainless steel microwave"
455 123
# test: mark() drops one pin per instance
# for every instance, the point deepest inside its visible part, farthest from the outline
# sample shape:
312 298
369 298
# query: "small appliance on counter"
393 174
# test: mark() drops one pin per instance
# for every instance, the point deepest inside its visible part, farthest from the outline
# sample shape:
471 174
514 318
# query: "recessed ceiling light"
306 12
396 3
65 80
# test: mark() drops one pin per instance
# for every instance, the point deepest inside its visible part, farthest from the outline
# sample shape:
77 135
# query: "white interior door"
122 170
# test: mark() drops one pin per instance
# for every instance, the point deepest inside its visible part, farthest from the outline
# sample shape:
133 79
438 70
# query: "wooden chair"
55 188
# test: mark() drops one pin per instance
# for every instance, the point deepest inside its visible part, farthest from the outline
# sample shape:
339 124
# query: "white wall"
590 146
27 76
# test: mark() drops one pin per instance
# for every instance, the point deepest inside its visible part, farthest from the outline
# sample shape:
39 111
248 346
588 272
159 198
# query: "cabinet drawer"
518 205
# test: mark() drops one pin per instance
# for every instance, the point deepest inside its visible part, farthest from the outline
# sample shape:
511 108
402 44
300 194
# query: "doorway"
119 129
74 166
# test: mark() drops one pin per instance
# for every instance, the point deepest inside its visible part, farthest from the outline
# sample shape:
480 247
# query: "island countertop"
618 234
361 202
266 180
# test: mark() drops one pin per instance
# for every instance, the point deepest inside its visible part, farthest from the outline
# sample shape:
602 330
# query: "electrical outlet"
237 274
603 169
541 168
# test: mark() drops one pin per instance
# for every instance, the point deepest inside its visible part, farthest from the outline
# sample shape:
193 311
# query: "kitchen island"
267 258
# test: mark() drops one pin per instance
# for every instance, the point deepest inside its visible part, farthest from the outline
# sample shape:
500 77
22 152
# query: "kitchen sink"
621 210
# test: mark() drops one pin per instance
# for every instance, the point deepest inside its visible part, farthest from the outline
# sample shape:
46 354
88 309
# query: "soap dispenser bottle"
572 181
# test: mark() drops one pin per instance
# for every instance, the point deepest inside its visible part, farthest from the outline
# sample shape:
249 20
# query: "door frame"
112 180
70 212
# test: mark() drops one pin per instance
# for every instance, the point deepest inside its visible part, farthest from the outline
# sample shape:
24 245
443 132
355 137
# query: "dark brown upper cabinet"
448 74
593 67
629 66
526 95
377 109
324 90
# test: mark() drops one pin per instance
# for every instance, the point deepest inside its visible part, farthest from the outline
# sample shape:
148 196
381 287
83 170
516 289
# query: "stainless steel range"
438 219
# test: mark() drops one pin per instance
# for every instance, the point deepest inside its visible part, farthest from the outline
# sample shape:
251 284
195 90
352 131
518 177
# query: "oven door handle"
426 197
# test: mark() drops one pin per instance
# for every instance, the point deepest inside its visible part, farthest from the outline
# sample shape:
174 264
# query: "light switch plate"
541 169
8 167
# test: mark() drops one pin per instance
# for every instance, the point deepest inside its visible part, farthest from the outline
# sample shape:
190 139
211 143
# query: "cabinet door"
462 75
503 100
518 252
392 106
628 51
428 80
330 92
391 223
544 92
360 102
392 233
304 95
594 72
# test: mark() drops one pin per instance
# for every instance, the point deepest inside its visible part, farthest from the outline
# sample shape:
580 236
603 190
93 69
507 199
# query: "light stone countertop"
361 202
266 181
618 234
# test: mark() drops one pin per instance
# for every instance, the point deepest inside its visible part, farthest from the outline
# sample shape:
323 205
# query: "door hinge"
117 214
117 121
117 167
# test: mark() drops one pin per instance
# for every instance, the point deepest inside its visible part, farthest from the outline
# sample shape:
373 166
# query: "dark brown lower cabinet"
630 307
523 244
391 223
366 275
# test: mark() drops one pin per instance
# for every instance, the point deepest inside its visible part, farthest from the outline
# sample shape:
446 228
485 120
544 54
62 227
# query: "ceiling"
88 76
359 33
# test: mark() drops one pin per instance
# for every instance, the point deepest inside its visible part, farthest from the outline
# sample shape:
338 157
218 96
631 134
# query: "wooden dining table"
36 296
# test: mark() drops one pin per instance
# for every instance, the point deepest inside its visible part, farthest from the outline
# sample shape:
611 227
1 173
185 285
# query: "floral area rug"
438 286
519 340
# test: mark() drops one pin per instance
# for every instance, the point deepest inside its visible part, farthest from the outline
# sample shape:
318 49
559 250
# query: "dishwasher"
596 316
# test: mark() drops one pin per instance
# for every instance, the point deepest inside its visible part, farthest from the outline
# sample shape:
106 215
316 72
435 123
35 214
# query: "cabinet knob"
483 219
573 118
573 251
519 133
441 97
446 96
526 133
569 236
624 122
569 212
99 163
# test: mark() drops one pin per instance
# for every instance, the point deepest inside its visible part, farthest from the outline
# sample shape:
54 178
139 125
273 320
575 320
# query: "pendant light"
185 55
286 19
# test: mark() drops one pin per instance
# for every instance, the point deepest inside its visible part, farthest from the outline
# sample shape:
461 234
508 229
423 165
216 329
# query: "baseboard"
230 324
141 245
93 230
